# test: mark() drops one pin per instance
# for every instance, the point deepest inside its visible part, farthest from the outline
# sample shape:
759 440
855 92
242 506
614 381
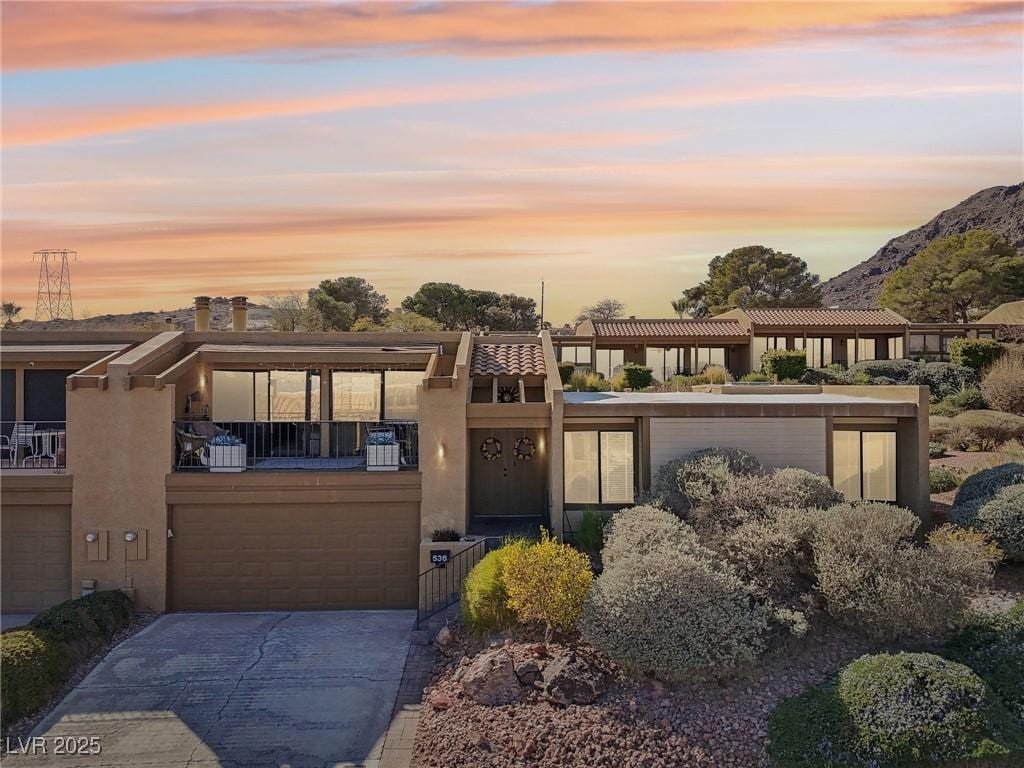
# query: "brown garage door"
318 556
35 557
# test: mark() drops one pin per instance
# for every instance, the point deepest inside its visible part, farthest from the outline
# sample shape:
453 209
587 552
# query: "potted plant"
226 453
383 453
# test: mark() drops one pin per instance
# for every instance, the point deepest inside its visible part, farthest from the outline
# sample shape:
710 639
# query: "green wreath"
490 449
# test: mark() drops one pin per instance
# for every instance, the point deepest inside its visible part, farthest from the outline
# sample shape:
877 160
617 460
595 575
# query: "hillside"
175 319
1000 209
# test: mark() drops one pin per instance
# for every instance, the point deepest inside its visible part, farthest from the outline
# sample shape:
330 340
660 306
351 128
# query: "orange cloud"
44 35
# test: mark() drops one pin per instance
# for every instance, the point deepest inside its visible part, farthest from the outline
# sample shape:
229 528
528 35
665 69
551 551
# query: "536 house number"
55 745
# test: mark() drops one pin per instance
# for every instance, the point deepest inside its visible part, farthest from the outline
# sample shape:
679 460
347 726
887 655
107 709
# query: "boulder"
445 641
528 672
573 680
490 679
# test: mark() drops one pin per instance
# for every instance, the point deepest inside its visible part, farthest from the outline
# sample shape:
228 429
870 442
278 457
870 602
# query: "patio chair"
22 436
191 448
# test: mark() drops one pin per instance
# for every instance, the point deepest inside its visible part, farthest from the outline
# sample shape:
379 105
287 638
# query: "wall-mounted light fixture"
441 450
92 537
130 535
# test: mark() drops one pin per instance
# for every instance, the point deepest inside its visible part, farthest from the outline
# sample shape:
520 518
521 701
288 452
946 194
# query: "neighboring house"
252 470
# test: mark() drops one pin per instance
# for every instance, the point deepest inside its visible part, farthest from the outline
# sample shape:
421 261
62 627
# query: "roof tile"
668 327
823 317
507 360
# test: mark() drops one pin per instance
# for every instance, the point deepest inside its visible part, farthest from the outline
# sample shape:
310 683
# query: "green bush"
946 379
716 374
588 382
900 370
754 377
706 472
86 623
830 374
33 665
590 536
993 646
987 430
975 353
939 427
942 479
637 376
565 371
968 399
1003 385
1001 516
665 485
784 363
983 485
874 580
445 534
484 604
638 530
675 616
936 450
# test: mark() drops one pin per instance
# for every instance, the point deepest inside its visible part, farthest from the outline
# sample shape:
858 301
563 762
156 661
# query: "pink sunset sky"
608 148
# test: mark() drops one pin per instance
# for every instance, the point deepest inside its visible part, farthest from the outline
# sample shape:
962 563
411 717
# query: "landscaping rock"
490 679
573 680
445 641
528 672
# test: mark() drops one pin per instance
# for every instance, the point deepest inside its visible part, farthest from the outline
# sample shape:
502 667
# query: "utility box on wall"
136 544
96 545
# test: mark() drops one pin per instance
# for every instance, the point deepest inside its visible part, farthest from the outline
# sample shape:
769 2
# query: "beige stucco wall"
120 449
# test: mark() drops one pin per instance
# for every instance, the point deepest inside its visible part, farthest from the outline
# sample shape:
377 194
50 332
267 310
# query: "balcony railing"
234 446
33 445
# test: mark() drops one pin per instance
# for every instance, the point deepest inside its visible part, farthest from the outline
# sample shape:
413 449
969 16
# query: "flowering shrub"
666 489
985 484
1003 385
634 532
993 646
547 582
675 616
1001 516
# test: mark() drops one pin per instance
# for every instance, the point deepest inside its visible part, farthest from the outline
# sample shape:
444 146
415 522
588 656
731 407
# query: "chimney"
239 313
202 313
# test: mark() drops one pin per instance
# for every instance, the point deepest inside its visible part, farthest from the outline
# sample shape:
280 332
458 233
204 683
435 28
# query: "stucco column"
202 319
239 313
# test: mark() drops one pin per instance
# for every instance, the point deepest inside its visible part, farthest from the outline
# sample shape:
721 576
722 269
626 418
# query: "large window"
864 464
860 349
819 350
355 396
705 356
762 344
266 395
400 391
895 347
575 354
666 362
609 362
598 467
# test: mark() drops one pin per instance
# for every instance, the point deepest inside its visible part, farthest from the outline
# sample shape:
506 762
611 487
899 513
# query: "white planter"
382 458
226 458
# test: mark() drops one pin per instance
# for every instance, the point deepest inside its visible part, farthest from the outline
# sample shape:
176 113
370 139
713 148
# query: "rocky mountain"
1000 209
171 320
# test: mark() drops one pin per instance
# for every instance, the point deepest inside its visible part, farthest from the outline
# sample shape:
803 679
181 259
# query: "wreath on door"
524 449
490 449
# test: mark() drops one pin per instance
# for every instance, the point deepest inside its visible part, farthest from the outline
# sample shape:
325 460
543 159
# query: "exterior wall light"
130 536
91 537
441 450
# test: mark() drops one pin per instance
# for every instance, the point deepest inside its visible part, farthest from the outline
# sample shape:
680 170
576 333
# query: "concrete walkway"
239 690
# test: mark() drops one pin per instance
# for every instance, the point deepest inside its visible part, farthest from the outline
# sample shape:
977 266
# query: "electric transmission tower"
53 300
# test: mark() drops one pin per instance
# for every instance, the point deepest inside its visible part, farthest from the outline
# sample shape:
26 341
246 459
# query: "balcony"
236 446
33 446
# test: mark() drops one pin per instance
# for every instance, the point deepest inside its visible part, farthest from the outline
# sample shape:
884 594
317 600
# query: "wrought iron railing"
233 446
440 586
33 445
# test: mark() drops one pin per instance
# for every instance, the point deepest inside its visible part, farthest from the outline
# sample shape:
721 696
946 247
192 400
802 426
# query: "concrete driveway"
242 689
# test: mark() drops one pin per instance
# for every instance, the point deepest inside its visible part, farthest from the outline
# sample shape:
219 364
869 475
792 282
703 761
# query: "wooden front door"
508 486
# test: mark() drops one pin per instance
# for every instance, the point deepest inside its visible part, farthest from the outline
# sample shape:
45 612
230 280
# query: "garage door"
35 557
258 557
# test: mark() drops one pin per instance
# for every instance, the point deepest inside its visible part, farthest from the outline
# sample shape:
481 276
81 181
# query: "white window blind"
616 467
581 468
878 461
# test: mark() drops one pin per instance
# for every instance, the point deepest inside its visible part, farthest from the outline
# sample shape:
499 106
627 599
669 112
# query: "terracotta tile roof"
507 360
810 316
669 327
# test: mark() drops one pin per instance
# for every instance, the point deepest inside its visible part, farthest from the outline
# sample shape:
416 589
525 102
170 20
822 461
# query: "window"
355 396
400 392
266 395
762 344
917 342
860 349
864 464
574 354
819 350
666 362
598 467
705 356
609 362
895 347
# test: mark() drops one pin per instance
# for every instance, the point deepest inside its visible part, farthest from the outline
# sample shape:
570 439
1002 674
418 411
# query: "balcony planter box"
226 458
383 458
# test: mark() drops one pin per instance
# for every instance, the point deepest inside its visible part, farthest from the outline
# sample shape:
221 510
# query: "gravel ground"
22 728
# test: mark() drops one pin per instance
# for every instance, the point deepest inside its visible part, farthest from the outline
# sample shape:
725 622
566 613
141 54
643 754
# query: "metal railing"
233 446
33 445
440 586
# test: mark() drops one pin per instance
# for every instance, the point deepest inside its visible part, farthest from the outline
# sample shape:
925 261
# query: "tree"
752 276
288 312
955 276
365 301
456 308
399 321
326 313
10 311
511 313
606 309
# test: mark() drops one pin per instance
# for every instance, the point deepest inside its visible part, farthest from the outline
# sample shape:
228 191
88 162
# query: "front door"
504 482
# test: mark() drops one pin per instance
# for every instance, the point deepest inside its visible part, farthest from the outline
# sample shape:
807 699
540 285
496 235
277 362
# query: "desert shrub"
987 430
565 371
875 580
86 623
588 382
784 363
717 374
590 536
754 377
830 374
978 354
675 616
938 427
1001 516
921 707
942 479
637 376
993 646
968 399
484 605
33 665
903 371
1003 385
636 531
665 485
445 534
547 582
945 379
706 472
985 484
936 450
966 555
